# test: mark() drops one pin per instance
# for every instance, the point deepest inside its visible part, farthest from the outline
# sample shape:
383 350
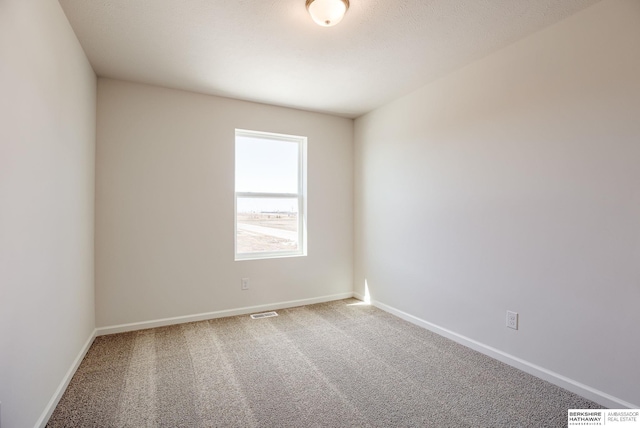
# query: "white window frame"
301 196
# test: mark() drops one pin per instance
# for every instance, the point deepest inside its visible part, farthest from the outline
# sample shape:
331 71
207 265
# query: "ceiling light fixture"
327 13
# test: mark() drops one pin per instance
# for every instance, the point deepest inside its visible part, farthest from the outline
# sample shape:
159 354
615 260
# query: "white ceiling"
270 51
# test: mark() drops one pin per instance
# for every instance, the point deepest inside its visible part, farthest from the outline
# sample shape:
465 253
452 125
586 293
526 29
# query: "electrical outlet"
512 320
244 282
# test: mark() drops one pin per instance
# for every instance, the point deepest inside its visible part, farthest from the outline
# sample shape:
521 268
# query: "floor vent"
264 315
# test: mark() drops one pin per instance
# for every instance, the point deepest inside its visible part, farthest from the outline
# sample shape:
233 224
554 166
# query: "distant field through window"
270 195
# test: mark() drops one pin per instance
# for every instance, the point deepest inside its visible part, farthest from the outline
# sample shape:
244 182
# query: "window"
270 195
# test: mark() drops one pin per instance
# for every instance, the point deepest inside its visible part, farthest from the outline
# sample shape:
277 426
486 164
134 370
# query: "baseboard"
218 314
557 379
48 411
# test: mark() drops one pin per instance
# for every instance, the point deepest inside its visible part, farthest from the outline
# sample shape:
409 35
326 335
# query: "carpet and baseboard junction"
334 364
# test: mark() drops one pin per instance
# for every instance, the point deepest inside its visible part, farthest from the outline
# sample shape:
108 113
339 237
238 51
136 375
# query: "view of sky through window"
266 166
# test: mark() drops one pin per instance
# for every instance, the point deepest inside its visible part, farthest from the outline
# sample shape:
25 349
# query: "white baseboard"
557 379
44 418
218 314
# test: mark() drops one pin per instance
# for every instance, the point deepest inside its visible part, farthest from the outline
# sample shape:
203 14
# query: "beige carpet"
332 365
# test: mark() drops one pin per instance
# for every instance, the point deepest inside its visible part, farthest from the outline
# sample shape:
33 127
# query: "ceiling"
270 51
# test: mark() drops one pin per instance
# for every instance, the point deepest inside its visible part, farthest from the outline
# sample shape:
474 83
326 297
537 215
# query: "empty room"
416 213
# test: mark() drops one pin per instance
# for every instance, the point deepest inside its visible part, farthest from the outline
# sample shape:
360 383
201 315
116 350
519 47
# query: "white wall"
165 197
47 144
514 184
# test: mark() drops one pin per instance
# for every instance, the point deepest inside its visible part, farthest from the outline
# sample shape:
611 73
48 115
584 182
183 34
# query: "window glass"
270 195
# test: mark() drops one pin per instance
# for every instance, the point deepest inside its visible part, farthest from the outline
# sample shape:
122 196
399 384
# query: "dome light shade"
327 13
